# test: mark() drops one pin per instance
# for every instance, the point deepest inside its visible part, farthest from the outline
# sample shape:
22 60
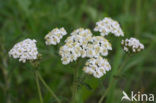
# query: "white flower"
81 43
107 25
132 45
81 35
98 46
75 45
24 50
97 67
54 36
69 53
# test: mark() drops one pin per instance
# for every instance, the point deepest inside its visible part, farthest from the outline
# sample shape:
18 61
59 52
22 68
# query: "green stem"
123 64
38 87
103 96
48 88
75 84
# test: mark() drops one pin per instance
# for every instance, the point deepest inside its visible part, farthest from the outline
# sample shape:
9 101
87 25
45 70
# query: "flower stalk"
75 84
38 87
48 88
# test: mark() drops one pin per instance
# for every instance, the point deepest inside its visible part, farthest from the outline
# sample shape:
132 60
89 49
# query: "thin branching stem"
123 64
48 88
103 96
75 84
38 87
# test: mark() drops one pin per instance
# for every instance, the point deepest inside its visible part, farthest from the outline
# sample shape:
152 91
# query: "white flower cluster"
54 36
107 25
98 46
24 50
97 66
132 45
75 45
81 43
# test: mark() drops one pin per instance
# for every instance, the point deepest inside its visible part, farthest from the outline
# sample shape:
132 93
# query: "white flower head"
75 45
107 25
80 35
132 45
98 46
97 67
24 50
81 43
54 36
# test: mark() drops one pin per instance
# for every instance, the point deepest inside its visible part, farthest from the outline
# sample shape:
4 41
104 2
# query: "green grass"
20 19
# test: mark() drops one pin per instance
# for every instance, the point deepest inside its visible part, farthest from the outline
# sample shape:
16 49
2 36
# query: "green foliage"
20 19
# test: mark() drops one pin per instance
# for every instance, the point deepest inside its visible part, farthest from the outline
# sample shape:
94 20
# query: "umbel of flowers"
81 43
24 50
107 25
75 45
97 66
54 36
132 45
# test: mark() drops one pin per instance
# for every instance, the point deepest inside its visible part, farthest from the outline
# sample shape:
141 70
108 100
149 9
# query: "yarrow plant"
81 43
132 45
24 50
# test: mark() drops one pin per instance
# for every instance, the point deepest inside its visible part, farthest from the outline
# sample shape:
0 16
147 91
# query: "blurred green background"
21 19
